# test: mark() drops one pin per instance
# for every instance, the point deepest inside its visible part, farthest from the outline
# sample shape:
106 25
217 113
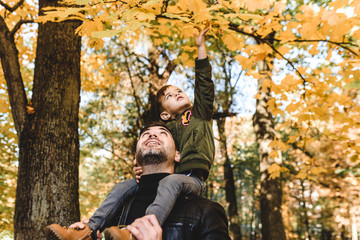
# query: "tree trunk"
230 190
47 186
271 189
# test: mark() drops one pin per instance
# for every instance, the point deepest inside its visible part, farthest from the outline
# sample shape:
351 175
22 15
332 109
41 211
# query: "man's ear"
165 116
177 156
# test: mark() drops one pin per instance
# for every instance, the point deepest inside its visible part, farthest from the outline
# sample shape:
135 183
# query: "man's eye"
164 133
168 96
145 134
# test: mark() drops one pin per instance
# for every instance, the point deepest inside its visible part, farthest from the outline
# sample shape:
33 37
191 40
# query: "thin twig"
18 25
12 9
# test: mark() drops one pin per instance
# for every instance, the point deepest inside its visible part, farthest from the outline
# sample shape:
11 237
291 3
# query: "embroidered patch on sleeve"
185 118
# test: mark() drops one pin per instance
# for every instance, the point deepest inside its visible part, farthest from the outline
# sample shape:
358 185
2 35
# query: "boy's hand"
200 39
137 171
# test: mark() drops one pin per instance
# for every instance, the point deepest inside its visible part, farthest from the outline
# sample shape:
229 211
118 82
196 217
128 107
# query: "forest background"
286 122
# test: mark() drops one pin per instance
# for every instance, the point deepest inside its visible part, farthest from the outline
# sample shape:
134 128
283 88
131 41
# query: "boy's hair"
158 103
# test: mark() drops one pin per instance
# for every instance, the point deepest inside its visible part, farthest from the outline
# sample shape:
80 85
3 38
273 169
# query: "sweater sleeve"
204 90
214 223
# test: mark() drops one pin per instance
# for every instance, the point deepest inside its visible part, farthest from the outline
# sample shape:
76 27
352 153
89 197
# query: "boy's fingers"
98 235
205 31
208 24
198 28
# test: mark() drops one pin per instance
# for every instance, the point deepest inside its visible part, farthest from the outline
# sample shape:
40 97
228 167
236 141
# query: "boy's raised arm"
200 40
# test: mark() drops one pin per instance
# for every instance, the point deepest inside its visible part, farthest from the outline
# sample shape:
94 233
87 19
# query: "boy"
191 127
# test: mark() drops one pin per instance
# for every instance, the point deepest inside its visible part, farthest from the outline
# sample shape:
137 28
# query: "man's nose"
152 135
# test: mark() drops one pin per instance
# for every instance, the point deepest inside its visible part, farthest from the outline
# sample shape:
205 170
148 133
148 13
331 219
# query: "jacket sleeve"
214 223
204 90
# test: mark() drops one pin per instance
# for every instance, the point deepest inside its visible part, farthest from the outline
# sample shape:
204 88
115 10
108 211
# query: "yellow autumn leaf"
338 4
274 154
106 33
356 34
82 2
131 3
292 107
304 117
314 50
292 139
284 49
233 42
245 62
354 158
331 17
302 174
143 16
196 6
253 5
274 170
317 170
186 60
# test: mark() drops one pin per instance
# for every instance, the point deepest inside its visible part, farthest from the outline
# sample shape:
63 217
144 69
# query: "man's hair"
158 101
154 124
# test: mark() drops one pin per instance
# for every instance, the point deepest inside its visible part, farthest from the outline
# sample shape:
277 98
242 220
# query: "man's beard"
150 157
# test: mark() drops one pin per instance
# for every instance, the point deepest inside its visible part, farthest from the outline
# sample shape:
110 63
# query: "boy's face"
175 101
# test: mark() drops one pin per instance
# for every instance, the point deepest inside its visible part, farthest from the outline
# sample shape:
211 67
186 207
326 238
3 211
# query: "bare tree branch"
340 44
11 9
18 25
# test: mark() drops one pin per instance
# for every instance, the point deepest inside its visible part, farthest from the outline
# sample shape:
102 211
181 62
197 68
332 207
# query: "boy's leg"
110 207
169 190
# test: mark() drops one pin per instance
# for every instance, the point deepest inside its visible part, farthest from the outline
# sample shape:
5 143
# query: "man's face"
175 101
155 146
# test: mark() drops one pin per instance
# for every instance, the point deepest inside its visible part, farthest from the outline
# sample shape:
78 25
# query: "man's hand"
137 171
146 228
200 39
81 225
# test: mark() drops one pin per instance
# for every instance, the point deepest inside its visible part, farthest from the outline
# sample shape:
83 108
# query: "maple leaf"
274 171
253 5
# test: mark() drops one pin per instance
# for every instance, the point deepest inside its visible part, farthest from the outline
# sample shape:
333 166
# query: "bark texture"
47 185
271 189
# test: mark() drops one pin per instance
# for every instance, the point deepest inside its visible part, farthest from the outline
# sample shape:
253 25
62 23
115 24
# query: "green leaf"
353 85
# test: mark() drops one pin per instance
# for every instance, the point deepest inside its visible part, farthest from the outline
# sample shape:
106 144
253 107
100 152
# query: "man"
192 217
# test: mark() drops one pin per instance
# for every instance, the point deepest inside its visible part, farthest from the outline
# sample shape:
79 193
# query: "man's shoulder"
195 217
195 206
